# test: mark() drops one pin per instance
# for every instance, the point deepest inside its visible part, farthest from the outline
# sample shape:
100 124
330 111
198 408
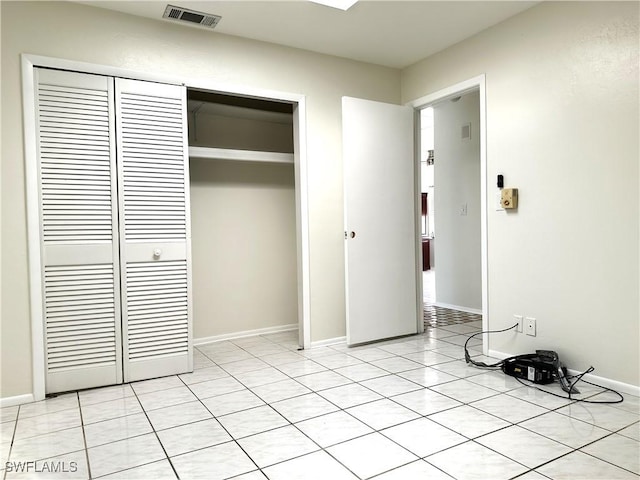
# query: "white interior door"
380 228
155 240
78 221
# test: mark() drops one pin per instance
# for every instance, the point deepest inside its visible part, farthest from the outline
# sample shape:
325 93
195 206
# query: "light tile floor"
257 408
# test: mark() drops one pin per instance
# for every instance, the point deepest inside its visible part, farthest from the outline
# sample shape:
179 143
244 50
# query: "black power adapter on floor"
543 367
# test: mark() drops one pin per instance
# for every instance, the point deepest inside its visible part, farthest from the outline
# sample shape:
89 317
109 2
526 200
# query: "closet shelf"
212 153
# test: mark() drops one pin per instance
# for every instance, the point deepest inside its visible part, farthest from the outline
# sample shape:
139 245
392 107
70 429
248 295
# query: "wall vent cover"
192 17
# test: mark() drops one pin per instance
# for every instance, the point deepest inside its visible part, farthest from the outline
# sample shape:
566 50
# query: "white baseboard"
605 382
458 307
328 341
17 400
612 384
245 333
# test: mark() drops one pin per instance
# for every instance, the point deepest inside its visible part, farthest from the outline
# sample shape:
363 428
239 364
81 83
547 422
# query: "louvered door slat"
169 315
150 102
62 91
154 169
94 351
57 344
63 96
153 194
76 154
93 100
68 294
143 287
154 159
164 176
176 325
78 124
76 164
96 324
174 294
142 132
60 129
76 134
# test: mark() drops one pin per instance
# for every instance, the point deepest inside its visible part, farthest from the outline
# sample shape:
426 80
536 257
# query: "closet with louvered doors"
114 229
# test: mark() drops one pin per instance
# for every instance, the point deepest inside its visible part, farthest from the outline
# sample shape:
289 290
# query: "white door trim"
33 229
475 83
29 62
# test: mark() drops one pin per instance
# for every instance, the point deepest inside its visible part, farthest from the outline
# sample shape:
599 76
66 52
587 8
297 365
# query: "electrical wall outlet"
530 326
519 321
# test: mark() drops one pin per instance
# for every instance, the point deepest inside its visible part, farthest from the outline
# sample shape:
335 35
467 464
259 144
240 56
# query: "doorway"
454 286
243 215
427 200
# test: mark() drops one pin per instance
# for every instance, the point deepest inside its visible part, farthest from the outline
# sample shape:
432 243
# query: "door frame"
28 64
476 83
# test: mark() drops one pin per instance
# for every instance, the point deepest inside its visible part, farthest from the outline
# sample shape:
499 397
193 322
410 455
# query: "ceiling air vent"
191 16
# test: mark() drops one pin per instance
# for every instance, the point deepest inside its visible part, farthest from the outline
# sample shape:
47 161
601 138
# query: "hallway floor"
257 408
435 316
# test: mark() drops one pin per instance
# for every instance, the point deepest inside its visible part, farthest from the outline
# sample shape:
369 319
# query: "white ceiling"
390 33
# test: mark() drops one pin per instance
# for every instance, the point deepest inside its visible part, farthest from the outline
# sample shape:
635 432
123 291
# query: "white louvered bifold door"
153 185
76 163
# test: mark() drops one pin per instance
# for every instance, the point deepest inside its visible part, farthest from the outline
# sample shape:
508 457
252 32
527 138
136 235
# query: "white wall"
457 184
562 123
84 33
235 132
243 240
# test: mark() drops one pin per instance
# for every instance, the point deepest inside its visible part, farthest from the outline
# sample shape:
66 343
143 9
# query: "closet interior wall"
243 220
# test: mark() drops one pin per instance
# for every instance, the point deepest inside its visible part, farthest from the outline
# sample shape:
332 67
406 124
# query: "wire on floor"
578 378
468 358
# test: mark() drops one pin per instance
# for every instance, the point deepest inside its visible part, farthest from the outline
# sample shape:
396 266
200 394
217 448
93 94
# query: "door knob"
352 234
156 253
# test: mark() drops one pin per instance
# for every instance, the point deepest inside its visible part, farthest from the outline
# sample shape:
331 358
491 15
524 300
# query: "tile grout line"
43 458
135 394
233 439
13 438
84 436
153 428
602 459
